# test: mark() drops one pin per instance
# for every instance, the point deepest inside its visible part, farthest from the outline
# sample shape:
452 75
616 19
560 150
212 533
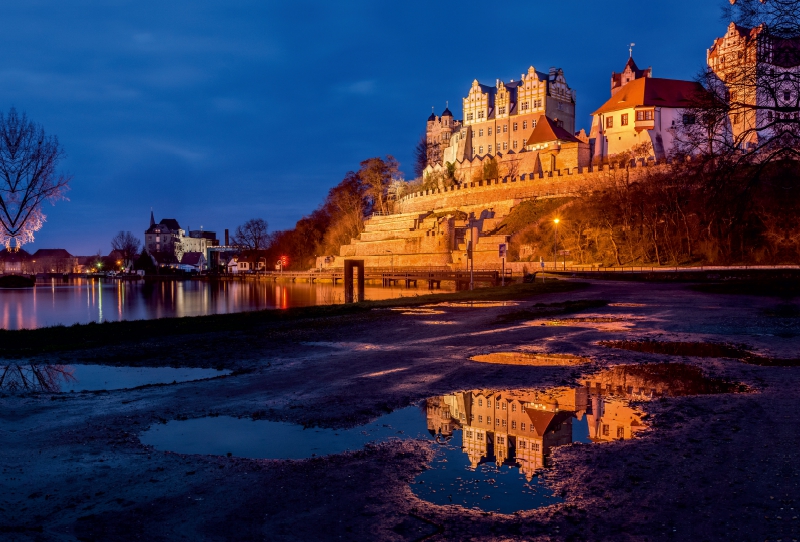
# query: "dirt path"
709 468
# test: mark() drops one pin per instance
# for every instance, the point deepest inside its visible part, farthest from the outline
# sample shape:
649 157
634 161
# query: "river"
98 300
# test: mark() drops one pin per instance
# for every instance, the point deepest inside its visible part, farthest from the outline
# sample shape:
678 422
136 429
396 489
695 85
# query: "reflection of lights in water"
526 358
99 301
388 371
79 300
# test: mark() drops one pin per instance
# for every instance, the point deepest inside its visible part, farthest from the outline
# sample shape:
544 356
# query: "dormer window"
502 111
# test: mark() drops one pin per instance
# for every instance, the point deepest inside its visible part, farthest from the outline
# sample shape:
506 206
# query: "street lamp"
555 246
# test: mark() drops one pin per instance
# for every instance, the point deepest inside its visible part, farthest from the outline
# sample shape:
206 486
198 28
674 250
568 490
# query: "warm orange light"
556 221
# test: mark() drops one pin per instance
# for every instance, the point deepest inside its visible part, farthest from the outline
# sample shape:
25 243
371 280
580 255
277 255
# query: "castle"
501 119
523 134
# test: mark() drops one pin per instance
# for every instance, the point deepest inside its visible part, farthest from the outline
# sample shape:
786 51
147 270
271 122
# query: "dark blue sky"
214 112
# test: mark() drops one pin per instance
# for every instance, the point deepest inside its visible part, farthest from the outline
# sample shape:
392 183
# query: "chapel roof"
652 91
547 130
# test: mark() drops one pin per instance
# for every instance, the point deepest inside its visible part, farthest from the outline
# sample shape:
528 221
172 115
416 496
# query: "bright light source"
556 221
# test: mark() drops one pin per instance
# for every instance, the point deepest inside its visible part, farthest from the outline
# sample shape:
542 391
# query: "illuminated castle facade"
500 119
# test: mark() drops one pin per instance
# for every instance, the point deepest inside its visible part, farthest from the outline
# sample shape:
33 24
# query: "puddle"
18 378
600 323
416 311
490 445
544 310
263 439
437 322
475 304
700 350
525 358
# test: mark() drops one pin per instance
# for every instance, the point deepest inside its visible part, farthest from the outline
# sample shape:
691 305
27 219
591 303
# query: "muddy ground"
722 467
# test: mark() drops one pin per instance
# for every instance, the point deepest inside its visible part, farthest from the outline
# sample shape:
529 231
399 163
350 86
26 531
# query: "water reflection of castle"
521 427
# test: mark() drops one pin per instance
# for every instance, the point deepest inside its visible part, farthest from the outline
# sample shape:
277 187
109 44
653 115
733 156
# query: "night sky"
215 112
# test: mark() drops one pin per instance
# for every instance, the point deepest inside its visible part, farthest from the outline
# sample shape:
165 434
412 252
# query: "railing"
658 269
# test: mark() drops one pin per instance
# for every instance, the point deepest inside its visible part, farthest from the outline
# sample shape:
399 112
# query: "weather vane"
630 49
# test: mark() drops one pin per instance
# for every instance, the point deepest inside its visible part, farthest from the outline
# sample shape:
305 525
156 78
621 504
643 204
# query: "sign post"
503 248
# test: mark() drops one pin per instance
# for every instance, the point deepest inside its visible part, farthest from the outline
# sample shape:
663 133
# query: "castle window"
787 95
515 146
689 119
513 425
535 446
480 132
609 122
524 124
505 128
504 423
505 406
533 124
480 419
480 402
490 131
480 149
489 403
502 110
523 444
490 149
480 114
537 104
623 120
488 419
524 106
522 426
505 148
514 127
497 421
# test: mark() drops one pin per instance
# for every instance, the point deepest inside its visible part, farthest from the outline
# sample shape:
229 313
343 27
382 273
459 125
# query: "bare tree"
377 174
252 234
126 244
28 178
421 155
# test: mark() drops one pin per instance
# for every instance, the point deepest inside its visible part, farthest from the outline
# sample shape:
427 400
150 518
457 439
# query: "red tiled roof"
547 130
651 91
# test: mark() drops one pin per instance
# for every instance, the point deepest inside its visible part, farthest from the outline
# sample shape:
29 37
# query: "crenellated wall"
433 228
529 185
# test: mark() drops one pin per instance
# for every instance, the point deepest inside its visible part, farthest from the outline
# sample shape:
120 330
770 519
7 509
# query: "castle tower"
630 73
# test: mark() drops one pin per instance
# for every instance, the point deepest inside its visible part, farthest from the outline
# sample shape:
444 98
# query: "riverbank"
705 468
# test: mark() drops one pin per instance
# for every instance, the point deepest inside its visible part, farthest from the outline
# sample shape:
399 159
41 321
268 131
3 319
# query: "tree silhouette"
28 177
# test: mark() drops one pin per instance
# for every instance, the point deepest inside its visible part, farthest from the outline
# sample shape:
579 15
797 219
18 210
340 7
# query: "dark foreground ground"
720 467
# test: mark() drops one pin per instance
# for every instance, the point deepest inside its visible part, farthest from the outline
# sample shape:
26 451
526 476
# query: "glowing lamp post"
555 245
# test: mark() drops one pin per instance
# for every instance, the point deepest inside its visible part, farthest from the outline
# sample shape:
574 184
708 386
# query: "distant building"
193 262
168 237
54 260
15 262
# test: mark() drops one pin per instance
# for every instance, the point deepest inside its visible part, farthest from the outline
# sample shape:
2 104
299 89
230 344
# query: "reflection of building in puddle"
17 377
527 358
475 304
521 427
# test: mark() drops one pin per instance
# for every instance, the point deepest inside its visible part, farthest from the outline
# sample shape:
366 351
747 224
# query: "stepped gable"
651 91
547 130
629 73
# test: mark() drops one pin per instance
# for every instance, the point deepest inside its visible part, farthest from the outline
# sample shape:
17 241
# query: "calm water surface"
96 300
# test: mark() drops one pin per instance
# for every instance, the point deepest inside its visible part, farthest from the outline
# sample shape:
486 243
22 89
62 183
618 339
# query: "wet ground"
675 446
